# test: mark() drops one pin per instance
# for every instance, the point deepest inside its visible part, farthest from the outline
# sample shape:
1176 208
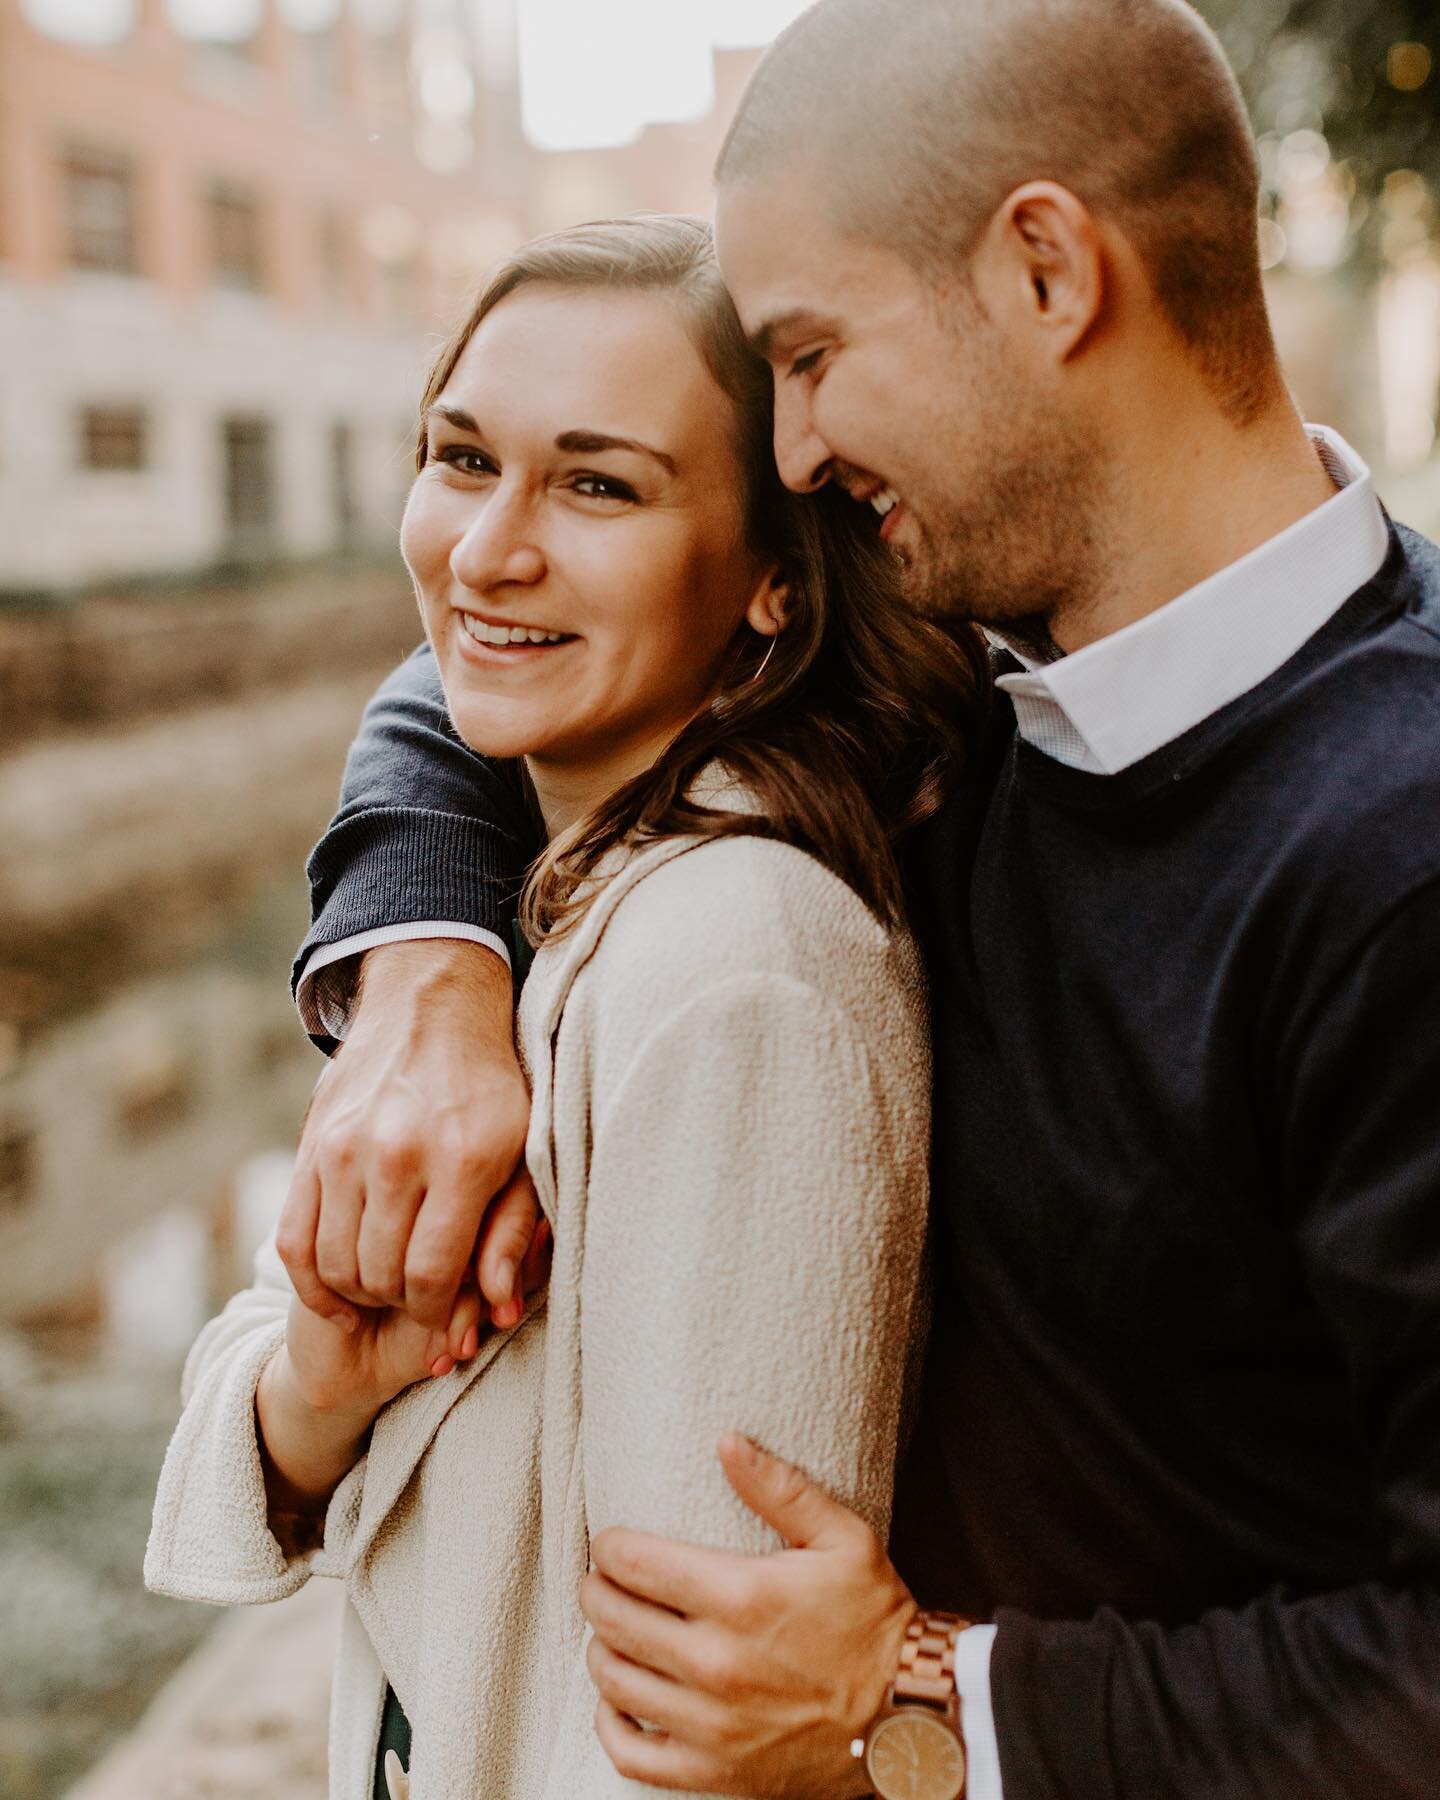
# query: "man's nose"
500 545
801 454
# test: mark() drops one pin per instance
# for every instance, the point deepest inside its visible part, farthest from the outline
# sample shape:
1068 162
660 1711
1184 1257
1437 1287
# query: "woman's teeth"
508 634
885 501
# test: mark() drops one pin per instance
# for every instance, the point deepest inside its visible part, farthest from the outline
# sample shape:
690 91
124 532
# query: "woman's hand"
356 1370
319 1394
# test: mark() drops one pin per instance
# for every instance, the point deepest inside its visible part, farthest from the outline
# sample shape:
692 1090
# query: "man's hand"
753 1673
415 1128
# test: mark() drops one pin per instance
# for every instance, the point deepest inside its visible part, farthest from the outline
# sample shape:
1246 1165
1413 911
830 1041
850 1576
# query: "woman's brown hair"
849 730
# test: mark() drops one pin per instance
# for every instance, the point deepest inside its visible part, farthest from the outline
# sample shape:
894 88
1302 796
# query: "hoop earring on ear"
764 660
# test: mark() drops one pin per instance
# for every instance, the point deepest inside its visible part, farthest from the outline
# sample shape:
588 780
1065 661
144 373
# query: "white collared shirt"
1117 700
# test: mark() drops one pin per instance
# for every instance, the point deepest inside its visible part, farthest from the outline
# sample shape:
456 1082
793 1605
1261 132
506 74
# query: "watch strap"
926 1675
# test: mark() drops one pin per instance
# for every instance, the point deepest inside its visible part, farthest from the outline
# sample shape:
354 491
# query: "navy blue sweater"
1180 1426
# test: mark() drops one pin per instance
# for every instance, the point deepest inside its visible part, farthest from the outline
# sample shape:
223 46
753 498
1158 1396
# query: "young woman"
725 717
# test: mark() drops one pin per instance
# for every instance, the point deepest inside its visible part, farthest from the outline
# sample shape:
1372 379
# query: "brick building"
222 267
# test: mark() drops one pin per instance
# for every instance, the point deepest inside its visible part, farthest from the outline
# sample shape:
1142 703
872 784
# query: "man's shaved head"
923 115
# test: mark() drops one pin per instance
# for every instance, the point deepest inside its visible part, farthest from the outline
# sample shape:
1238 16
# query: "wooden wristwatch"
914 1750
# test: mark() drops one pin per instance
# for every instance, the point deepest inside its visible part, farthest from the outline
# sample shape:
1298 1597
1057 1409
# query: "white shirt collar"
1124 696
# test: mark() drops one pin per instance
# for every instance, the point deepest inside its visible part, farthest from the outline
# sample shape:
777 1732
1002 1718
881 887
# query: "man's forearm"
1332 1697
426 829
413 982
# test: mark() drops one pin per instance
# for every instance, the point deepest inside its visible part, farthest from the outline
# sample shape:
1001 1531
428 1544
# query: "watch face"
915 1756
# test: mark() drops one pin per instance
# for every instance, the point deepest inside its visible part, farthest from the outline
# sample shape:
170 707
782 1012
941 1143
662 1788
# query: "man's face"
924 402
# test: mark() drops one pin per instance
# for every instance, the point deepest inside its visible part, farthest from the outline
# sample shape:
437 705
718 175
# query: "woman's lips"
891 521
502 656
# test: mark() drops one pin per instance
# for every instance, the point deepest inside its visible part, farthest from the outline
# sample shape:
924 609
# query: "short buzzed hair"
923 115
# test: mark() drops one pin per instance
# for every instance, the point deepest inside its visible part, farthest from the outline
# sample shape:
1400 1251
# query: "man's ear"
769 608
1041 263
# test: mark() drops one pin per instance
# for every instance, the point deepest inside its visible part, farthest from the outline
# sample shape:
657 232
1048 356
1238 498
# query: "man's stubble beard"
1022 540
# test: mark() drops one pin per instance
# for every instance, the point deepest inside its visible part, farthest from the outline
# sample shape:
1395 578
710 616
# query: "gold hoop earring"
765 660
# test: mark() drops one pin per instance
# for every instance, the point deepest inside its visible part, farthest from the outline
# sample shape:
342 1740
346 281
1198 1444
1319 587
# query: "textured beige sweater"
730 1080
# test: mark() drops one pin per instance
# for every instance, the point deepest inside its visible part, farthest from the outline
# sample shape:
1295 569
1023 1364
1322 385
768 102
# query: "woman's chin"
485 738
492 729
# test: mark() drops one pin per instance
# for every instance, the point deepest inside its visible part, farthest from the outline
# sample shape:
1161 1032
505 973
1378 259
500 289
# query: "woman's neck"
568 791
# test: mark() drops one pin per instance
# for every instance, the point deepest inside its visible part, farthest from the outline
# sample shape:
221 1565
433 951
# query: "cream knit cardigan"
730 1074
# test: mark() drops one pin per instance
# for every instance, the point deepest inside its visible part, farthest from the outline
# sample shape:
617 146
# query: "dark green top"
394 1735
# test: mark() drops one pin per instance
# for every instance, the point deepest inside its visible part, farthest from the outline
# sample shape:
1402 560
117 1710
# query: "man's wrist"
422 972
916 1733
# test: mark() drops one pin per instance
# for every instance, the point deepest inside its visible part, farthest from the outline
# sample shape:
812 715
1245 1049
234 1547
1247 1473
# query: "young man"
1179 1441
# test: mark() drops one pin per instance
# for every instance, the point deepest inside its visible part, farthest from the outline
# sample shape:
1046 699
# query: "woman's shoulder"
744 906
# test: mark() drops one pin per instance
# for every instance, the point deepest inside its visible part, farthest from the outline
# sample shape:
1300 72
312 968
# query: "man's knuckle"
336 1148
460 1148
394 1154
294 1248
429 1274
715 1671
722 1732
336 1269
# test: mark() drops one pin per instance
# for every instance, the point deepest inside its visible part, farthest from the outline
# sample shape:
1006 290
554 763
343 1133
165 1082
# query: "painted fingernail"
442 1365
470 1343
505 1276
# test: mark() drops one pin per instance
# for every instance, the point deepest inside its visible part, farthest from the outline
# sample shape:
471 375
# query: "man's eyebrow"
590 443
763 340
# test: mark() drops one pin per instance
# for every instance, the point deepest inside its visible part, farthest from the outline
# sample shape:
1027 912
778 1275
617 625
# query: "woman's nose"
801 454
499 546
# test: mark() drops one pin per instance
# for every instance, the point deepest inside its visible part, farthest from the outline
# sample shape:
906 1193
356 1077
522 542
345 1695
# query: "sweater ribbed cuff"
399 865
1049 1685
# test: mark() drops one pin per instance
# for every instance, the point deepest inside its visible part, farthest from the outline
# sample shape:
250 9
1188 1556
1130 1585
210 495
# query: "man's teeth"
508 634
885 501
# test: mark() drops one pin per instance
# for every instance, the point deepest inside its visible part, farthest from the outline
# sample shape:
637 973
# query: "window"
334 256
100 210
17 1166
342 485
114 437
235 234
249 485
317 69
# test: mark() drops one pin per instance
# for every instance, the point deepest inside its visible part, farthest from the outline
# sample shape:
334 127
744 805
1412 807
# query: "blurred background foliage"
1347 96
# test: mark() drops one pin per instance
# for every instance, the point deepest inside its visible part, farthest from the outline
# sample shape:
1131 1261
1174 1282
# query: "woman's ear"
769 608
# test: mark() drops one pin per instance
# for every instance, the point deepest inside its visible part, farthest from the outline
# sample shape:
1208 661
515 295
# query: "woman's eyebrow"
456 416
590 443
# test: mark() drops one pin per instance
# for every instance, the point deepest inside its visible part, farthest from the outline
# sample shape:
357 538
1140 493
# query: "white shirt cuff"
977 1715
326 988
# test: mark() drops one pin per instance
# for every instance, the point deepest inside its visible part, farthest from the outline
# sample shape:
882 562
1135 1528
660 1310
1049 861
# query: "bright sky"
595 74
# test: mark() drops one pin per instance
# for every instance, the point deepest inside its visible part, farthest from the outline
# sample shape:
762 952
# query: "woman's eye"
803 365
603 487
469 462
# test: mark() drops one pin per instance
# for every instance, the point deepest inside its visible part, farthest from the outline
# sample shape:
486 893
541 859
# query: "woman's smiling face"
581 488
